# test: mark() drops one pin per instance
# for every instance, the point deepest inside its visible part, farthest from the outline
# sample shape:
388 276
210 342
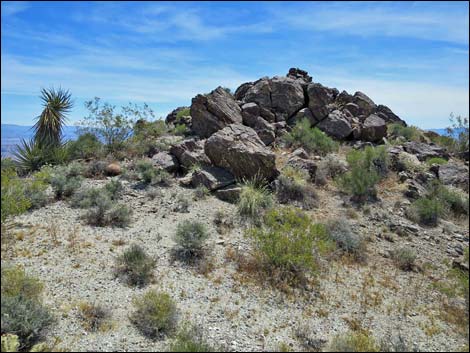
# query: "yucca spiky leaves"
57 104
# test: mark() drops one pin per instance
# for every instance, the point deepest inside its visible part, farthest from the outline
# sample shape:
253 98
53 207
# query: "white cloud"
10 8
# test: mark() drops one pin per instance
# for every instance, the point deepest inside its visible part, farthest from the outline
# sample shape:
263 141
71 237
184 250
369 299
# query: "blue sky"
412 57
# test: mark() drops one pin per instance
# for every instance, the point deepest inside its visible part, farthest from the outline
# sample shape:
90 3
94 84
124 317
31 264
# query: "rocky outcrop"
173 119
213 112
424 151
319 99
190 152
165 160
336 125
373 129
212 178
238 149
453 174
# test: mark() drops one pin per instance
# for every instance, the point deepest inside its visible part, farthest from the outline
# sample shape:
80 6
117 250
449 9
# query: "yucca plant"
57 104
30 155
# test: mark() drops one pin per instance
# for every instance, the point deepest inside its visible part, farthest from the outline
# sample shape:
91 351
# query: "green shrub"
426 211
96 169
14 201
340 232
183 112
254 199
359 341
180 130
86 198
74 169
292 185
97 215
288 245
142 143
436 160
114 189
8 163
134 266
367 167
311 139
409 133
85 146
452 199
119 216
151 175
64 186
190 237
21 308
404 257
191 339
459 128
101 211
201 192
31 155
155 314
329 167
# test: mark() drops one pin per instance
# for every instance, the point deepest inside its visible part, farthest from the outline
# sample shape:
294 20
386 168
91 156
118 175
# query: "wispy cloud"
10 8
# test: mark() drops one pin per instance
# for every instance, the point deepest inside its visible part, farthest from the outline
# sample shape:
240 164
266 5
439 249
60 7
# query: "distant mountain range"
13 134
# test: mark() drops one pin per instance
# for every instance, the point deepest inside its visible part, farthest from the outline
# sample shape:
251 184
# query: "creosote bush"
93 316
292 186
134 266
311 139
367 167
151 175
288 245
190 237
155 314
254 199
409 133
22 311
436 160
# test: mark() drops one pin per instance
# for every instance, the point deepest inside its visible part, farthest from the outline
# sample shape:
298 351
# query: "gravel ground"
240 314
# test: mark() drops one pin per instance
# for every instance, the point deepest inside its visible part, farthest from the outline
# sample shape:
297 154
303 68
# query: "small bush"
254 199
93 316
134 266
404 258
14 201
180 130
182 204
96 169
201 192
85 146
349 242
311 139
63 185
191 339
367 168
292 185
151 175
21 308
330 167
114 189
119 216
436 160
409 133
426 211
35 192
288 245
155 314
354 342
452 199
190 237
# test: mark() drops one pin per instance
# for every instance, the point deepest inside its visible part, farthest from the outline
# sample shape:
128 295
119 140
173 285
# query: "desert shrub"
183 112
74 169
152 193
191 339
134 266
409 133
101 211
459 129
223 221
396 344
22 311
119 216
408 163
86 198
367 167
151 175
453 200
31 155
182 204
349 242
404 258
92 316
155 314
85 146
436 160
35 192
142 142
8 163
359 341
330 167
292 185
288 245
426 211
14 201
190 237
311 139
114 189
96 168
64 186
181 130
201 192
254 199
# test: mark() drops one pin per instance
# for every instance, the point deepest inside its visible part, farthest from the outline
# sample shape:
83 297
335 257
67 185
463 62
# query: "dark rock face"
374 129
424 151
336 125
229 193
213 112
305 164
190 152
165 161
390 117
172 117
296 74
212 178
238 149
454 174
319 97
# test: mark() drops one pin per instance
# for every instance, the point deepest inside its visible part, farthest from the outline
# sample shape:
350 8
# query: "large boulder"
424 151
287 96
259 93
304 113
165 160
373 129
307 165
298 74
319 97
454 174
238 149
213 112
336 125
390 117
365 104
251 117
212 178
190 152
